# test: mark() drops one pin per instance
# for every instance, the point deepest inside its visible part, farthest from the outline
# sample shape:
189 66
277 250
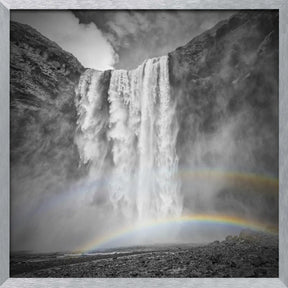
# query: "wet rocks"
232 257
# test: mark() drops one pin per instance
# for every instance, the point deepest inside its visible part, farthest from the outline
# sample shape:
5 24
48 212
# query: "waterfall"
134 125
92 121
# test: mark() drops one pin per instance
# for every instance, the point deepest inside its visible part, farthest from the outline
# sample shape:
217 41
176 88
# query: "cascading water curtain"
137 131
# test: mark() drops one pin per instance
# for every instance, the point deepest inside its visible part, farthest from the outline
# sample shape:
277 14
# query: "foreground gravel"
242 256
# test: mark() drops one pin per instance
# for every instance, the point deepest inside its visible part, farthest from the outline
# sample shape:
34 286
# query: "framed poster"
143 144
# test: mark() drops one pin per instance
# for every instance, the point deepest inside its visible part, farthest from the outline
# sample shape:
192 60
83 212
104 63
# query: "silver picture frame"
6 6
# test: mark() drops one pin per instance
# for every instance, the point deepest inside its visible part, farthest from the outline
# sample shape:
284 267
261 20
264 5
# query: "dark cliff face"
230 74
43 114
226 85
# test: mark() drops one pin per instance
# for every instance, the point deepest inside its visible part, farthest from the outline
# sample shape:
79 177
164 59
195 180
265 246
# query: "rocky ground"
246 255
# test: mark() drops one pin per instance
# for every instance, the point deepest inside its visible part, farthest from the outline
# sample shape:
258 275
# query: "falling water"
92 121
136 129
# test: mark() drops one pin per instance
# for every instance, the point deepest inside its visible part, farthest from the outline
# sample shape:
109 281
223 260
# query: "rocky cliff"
229 74
226 85
43 114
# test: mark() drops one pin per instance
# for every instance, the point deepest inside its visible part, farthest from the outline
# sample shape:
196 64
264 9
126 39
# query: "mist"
228 144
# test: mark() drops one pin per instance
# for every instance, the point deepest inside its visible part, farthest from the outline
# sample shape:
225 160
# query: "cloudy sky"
119 39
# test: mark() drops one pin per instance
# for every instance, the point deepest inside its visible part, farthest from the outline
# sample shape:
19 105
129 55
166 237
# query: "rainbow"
234 178
266 183
198 219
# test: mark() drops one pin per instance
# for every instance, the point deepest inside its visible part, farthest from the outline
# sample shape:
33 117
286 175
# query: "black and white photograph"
144 143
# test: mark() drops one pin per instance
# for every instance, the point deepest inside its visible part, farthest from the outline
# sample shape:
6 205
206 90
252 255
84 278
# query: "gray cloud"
138 35
85 41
